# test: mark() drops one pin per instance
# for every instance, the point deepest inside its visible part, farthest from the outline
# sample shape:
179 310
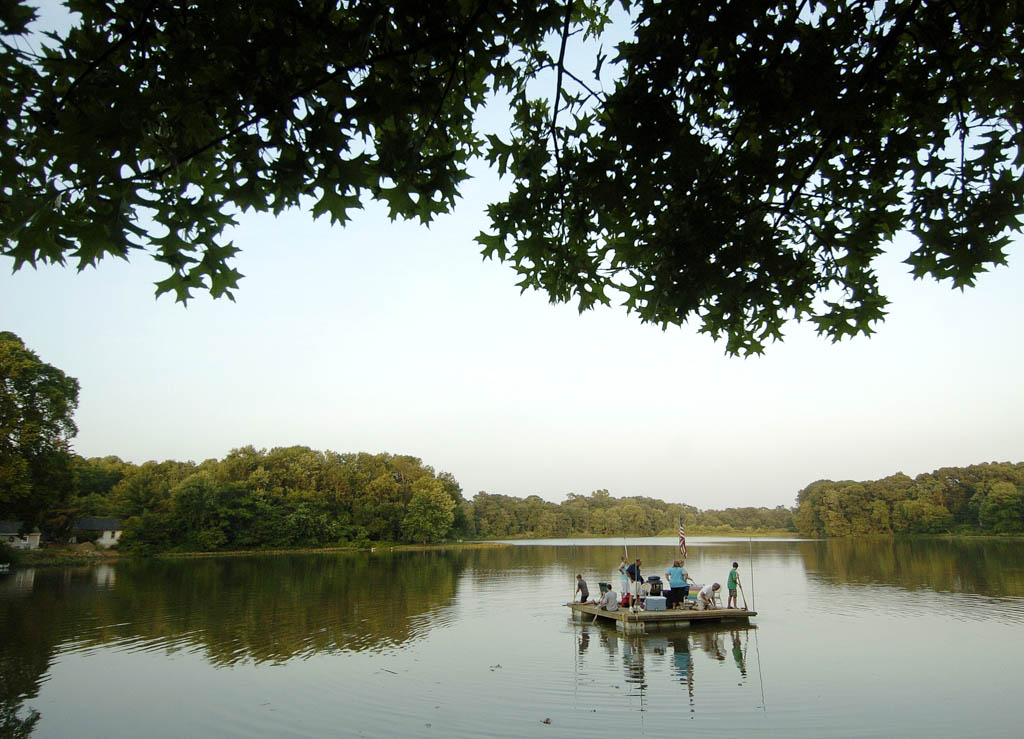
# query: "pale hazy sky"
391 337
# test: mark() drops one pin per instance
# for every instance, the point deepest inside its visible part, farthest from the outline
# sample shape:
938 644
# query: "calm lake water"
853 638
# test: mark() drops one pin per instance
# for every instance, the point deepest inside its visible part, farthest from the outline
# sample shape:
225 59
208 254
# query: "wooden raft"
642 620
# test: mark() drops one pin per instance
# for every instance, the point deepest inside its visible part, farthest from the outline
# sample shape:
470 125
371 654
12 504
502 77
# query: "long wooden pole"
750 544
625 551
629 584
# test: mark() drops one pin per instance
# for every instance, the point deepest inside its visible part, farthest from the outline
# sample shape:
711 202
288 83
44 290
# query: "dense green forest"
296 496
982 498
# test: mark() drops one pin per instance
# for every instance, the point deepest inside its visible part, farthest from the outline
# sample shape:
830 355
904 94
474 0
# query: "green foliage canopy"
37 406
982 498
300 497
430 513
734 162
284 497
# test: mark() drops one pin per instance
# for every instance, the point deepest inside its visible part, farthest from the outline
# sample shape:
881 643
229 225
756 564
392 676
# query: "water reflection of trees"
268 608
26 647
959 565
255 609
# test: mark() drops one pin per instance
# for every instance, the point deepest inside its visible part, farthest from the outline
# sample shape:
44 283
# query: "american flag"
682 540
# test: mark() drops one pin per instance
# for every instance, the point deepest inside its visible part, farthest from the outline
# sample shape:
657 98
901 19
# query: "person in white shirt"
706 596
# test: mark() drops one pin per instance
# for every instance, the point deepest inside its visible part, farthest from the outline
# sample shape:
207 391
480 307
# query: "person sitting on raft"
609 601
706 596
679 588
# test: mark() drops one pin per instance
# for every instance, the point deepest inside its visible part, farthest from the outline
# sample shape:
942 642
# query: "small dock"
641 621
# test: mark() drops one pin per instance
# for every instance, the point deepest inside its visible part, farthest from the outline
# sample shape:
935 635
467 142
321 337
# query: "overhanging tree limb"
748 159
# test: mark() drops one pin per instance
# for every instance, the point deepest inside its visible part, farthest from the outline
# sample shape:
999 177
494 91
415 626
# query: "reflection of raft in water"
630 621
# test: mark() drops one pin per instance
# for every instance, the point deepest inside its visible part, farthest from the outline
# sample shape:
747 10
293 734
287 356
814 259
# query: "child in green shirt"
732 584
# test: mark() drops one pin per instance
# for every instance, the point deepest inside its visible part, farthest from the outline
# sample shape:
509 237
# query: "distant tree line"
599 514
301 497
296 496
982 498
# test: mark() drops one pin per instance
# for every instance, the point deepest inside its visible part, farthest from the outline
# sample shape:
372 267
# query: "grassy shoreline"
73 555
70 555
761 533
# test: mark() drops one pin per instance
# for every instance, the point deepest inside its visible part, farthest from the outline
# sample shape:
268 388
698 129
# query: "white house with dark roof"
11 535
109 530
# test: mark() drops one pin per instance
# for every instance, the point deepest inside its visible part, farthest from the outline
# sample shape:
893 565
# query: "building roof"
14 527
98 524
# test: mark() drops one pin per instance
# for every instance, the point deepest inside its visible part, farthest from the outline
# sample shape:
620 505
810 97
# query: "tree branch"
885 48
95 63
454 70
369 62
558 91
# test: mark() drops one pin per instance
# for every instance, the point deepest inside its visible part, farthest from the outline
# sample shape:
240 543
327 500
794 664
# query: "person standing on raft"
582 589
732 584
678 583
635 582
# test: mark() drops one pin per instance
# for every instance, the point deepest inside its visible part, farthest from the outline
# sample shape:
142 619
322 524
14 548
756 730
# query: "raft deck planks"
629 621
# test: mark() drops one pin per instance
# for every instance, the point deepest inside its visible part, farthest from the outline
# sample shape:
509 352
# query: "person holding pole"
623 577
635 582
582 589
732 584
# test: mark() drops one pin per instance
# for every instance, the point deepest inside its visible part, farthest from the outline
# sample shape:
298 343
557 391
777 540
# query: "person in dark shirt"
582 589
635 581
